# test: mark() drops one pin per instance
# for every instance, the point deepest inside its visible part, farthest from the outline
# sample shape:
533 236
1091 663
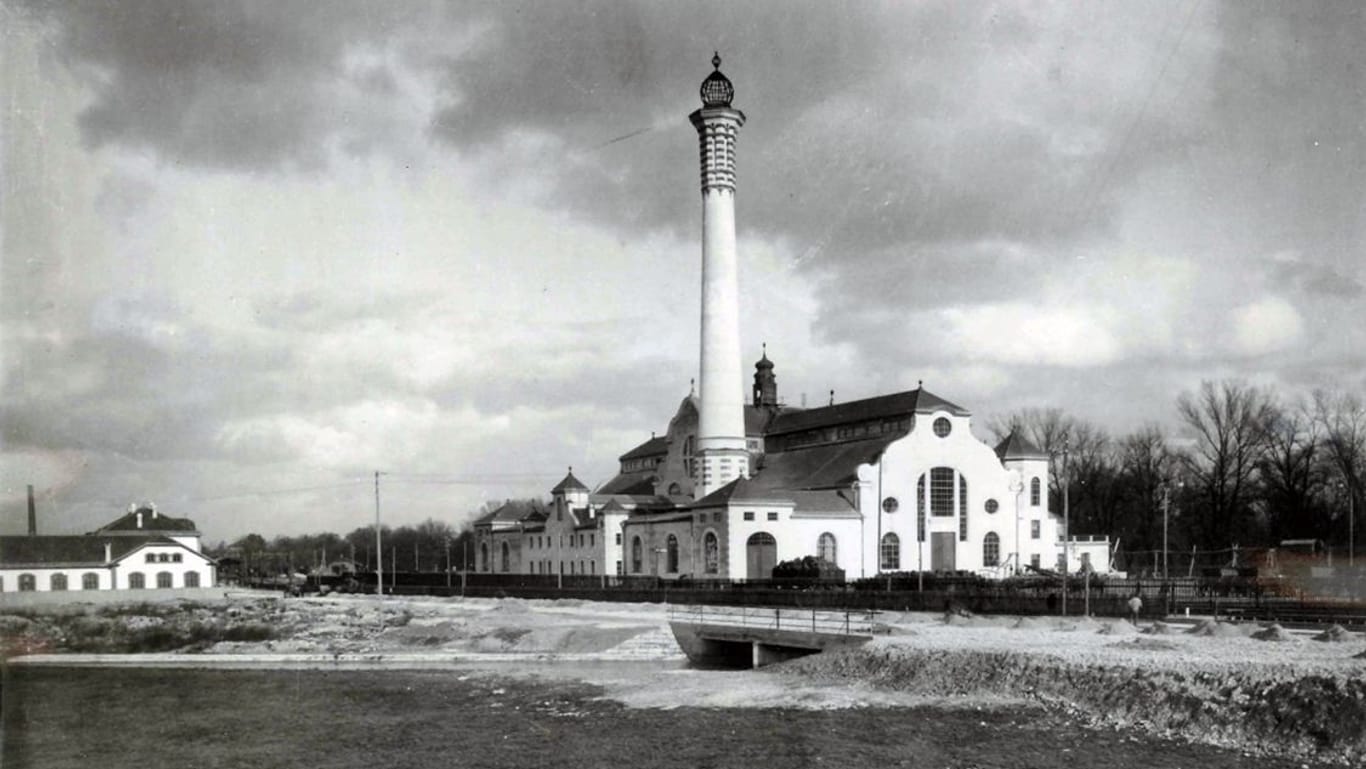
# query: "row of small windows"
540 542
582 566
91 581
163 558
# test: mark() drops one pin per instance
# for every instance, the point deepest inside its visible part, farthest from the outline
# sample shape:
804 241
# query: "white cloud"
1028 334
1268 325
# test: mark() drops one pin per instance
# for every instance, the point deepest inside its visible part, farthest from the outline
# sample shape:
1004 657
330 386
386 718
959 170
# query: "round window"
890 505
942 427
992 506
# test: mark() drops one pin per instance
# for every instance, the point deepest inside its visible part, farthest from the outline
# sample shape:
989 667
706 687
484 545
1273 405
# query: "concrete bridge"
748 636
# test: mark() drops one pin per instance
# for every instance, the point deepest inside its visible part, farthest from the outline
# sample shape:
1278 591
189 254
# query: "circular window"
992 506
942 427
890 505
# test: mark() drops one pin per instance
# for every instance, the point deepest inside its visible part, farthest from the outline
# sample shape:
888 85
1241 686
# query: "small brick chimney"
32 514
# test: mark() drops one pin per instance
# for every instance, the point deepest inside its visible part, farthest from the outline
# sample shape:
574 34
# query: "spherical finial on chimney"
717 90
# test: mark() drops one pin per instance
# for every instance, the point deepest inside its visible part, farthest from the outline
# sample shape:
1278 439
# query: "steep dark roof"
128 524
512 511
570 483
917 401
1016 446
652 448
741 489
71 549
630 483
827 466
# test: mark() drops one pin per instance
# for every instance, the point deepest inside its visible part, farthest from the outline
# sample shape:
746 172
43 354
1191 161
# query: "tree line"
1245 468
430 546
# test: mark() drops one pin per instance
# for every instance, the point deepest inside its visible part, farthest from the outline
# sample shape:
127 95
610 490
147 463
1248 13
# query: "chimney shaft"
139 519
32 514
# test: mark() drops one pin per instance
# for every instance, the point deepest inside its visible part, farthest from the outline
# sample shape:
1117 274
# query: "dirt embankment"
326 626
1319 717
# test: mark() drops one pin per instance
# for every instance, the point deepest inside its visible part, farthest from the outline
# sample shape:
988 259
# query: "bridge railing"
849 622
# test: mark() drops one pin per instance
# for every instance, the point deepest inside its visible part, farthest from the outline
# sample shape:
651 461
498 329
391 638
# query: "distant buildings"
892 483
142 550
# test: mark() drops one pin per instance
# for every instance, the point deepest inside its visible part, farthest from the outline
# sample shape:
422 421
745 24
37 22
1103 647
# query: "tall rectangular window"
941 491
1035 530
962 509
920 509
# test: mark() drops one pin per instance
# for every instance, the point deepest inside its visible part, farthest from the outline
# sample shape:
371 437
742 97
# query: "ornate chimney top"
717 90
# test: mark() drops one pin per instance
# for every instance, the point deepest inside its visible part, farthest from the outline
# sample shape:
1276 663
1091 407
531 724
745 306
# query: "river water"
639 715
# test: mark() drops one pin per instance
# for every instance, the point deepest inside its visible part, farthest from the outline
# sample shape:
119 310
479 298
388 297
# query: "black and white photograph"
777 383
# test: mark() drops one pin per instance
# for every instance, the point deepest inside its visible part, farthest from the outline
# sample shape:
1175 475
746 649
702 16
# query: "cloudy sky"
253 252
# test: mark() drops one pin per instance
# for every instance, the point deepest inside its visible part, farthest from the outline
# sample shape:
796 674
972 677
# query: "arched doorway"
761 555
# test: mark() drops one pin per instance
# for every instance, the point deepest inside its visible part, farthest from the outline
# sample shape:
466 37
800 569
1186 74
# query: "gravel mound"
1210 627
1034 623
1117 627
1159 628
1273 632
1334 634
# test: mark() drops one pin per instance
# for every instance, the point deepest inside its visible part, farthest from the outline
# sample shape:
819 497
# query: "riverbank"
1282 694
1243 687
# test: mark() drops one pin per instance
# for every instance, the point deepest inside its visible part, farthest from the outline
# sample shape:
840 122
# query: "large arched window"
90 581
991 550
941 491
711 554
57 582
891 552
507 558
636 555
688 464
191 579
27 583
675 490
825 547
164 579
671 555
1034 492
136 581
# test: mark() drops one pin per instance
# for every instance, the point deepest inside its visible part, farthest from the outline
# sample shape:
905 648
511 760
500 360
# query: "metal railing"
849 622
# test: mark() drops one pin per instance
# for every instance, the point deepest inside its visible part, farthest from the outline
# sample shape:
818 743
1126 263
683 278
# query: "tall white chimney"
721 419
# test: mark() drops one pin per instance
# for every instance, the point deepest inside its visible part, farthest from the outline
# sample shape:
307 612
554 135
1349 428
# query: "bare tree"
1147 463
1291 473
1342 418
1229 422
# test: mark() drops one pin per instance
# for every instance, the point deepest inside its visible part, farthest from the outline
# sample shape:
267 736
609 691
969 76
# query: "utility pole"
1166 509
379 548
1066 529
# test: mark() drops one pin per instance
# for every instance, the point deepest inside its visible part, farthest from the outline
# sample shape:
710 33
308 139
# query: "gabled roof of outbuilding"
1016 446
72 549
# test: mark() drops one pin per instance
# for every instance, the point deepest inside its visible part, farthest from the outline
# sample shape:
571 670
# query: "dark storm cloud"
221 83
